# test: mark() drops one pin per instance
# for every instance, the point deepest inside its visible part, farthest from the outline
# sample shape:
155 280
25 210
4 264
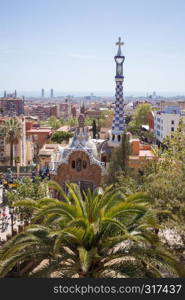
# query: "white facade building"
166 122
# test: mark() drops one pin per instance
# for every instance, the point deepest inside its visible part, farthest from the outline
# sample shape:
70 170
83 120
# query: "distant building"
42 93
154 95
139 155
129 108
45 154
63 110
73 111
164 103
93 113
43 112
166 122
52 93
38 135
11 106
82 108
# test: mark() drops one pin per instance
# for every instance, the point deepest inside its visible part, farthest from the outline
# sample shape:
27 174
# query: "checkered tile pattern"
118 121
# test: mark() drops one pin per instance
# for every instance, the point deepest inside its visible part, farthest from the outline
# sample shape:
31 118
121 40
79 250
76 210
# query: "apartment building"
37 135
63 110
163 104
43 112
166 122
11 106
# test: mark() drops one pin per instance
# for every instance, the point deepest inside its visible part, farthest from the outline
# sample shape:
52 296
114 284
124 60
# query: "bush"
60 136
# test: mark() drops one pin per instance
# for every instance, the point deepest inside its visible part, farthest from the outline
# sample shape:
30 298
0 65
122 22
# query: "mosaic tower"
118 121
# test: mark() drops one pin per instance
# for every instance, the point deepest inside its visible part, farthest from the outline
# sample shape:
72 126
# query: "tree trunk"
11 154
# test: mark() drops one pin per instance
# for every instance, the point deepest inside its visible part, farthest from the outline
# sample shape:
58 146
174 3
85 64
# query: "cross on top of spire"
119 44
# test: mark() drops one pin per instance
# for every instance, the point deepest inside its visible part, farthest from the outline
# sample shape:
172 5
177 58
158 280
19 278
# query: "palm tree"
105 235
12 131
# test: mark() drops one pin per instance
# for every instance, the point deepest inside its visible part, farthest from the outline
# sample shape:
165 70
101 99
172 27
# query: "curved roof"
79 142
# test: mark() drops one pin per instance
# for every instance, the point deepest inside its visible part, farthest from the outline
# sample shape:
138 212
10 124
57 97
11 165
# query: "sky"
70 45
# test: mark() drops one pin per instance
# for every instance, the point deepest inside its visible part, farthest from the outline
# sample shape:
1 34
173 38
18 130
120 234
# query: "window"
172 122
172 129
84 164
78 164
119 138
73 164
113 137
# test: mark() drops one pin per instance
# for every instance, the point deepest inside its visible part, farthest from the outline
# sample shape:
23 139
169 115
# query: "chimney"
135 145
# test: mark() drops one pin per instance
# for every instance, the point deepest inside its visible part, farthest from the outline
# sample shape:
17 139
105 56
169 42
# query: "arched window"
84 164
104 159
78 164
73 164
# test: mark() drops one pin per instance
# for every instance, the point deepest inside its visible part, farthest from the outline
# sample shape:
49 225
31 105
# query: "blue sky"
70 45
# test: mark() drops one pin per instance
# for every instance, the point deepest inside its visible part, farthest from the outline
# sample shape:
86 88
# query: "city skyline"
70 47
57 93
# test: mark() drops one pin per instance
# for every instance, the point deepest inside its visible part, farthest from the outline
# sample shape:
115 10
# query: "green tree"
165 176
141 114
54 122
105 235
140 117
26 189
88 121
62 121
60 136
119 161
164 179
12 130
166 184
174 144
105 119
72 122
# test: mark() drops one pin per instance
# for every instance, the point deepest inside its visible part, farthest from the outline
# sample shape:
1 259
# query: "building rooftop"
48 149
39 130
10 98
146 153
65 128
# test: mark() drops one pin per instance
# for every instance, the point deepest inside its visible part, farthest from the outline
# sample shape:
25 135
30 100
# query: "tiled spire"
118 121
